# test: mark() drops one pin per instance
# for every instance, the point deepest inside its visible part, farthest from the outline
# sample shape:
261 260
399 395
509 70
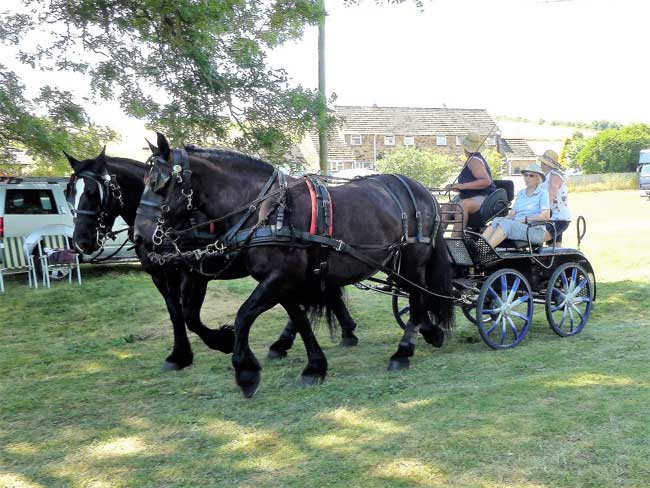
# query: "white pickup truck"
35 206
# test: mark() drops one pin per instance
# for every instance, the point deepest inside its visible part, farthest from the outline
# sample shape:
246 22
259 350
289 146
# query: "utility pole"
322 116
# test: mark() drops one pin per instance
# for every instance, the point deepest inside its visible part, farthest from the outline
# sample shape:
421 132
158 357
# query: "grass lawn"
83 402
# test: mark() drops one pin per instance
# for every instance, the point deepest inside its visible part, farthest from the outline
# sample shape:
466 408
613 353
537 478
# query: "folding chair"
55 253
15 261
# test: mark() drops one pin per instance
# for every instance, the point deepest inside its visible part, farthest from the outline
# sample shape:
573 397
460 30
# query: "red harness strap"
314 211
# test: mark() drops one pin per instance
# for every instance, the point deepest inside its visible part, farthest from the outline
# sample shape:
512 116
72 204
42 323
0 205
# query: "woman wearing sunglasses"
532 205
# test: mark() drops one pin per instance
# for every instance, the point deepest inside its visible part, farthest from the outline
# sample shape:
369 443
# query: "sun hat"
534 168
550 157
472 142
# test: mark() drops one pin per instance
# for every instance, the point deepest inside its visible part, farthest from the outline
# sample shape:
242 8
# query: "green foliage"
53 122
429 168
614 150
190 69
570 149
495 162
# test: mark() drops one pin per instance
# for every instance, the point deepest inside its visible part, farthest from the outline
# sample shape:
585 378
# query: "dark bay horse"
103 188
371 219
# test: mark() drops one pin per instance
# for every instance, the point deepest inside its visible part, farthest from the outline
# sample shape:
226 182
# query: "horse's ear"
163 146
154 149
74 164
102 156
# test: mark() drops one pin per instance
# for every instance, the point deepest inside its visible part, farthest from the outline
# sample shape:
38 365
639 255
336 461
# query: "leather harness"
236 239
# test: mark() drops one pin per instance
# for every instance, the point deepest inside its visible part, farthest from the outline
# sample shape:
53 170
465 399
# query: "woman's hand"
454 186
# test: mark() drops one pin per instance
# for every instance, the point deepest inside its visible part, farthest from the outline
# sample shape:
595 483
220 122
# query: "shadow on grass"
552 412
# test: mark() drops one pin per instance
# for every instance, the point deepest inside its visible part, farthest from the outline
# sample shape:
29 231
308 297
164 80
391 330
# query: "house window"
389 140
491 141
369 165
339 165
356 140
441 140
409 140
459 140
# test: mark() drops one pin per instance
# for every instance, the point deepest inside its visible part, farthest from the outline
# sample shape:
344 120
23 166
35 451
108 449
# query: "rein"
110 188
237 240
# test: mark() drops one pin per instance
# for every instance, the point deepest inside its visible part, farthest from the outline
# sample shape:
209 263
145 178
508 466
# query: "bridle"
109 191
161 173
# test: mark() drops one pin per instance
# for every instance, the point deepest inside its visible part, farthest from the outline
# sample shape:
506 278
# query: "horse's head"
167 198
89 194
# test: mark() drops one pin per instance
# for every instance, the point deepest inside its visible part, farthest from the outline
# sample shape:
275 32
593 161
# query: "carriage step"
466 283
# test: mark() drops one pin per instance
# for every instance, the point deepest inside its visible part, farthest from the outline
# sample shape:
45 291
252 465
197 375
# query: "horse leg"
279 348
181 356
345 319
247 367
316 368
432 333
193 290
406 348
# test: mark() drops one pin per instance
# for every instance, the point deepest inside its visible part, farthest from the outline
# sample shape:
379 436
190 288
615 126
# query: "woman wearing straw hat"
531 205
558 195
475 179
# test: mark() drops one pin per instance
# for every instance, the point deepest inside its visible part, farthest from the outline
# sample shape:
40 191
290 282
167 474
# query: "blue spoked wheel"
504 309
569 298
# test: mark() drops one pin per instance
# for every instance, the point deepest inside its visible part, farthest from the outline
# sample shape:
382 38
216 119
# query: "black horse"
103 188
373 219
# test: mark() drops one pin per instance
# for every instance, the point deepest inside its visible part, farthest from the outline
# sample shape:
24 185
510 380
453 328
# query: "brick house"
367 133
517 153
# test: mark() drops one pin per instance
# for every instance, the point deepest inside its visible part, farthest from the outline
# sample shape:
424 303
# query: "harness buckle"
252 208
339 245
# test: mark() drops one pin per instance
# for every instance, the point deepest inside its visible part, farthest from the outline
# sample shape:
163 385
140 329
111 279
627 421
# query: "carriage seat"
496 204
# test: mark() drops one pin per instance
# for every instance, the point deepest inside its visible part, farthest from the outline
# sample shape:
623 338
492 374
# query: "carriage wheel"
569 297
401 310
504 309
469 311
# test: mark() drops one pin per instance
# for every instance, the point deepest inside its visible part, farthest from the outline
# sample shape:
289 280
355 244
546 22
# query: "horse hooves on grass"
171 366
249 382
349 341
396 365
275 354
311 380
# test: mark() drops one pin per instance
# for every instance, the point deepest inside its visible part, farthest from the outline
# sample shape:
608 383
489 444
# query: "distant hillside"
540 137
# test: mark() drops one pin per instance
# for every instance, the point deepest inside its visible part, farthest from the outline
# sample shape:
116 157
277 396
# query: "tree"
614 150
495 162
194 70
570 149
429 168
45 127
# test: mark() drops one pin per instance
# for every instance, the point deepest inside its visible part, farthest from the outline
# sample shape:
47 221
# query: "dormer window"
356 140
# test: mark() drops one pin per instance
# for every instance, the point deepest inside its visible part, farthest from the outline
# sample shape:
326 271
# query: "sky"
575 60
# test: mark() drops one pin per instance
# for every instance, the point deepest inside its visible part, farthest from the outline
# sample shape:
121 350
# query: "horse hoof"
249 383
274 354
311 380
395 365
170 366
349 341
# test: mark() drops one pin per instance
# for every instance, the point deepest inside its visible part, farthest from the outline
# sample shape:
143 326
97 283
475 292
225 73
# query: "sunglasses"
528 174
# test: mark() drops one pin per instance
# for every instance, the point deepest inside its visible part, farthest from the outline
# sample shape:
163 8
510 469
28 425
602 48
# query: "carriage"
496 289
206 214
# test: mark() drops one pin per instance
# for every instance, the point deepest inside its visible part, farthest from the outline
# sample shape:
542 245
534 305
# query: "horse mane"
139 168
231 157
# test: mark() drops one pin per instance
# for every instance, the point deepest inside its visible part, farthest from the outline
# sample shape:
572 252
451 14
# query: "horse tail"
438 278
321 303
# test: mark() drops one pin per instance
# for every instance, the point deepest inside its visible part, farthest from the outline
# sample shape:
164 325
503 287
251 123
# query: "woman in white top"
558 193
